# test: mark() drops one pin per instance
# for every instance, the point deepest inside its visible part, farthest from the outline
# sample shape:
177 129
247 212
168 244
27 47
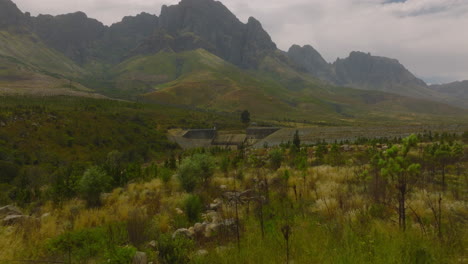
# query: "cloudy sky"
430 37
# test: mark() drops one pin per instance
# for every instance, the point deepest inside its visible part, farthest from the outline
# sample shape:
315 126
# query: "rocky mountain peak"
365 70
216 26
10 15
310 61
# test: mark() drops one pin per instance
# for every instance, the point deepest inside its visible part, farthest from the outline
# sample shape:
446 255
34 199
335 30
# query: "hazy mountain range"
198 54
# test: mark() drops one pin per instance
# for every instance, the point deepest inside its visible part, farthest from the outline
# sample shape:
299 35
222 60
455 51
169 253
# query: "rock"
223 187
229 222
10 210
182 232
153 245
212 217
140 258
201 252
216 205
15 219
199 229
179 211
211 229
2 124
45 216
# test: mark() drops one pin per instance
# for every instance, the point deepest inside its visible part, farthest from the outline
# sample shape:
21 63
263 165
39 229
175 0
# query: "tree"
245 117
195 170
276 158
92 184
297 140
400 171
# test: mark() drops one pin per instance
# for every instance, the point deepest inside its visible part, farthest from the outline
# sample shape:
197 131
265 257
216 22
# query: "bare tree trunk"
439 225
237 227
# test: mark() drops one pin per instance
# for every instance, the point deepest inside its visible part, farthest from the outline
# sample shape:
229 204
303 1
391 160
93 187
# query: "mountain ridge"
199 54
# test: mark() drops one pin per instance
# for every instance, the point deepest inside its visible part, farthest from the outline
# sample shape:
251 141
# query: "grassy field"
316 204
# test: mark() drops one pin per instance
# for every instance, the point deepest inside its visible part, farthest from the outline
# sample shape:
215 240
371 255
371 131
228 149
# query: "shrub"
174 250
193 207
92 184
136 226
276 158
8 171
165 174
195 170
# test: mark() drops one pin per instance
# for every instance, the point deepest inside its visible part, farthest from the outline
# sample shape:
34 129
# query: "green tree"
297 140
245 117
196 170
94 182
193 208
276 158
400 172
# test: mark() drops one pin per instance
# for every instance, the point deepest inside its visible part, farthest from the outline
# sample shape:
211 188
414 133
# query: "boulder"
216 205
201 252
212 229
16 219
179 211
199 229
182 232
212 217
140 258
45 216
153 245
10 210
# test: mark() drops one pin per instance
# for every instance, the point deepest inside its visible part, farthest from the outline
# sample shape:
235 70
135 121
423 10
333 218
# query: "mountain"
309 60
197 54
456 90
86 40
367 72
71 34
364 71
11 17
210 24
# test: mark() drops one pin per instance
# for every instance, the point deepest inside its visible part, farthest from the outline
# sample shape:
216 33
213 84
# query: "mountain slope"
457 91
200 79
365 71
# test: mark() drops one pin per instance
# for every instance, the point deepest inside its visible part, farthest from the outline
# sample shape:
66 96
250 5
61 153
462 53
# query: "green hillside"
27 66
274 92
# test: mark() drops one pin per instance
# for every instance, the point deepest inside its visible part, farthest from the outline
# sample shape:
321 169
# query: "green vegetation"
384 201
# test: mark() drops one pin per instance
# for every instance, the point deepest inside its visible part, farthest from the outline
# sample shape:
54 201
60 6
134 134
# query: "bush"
276 158
165 174
8 171
174 250
92 184
136 226
193 207
195 170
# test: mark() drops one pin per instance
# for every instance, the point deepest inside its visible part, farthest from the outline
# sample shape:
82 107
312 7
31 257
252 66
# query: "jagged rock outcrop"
310 61
362 70
241 44
10 15
72 34
123 37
